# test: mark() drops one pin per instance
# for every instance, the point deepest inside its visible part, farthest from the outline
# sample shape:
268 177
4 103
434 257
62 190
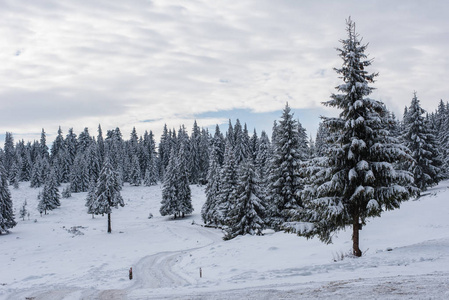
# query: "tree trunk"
109 223
355 237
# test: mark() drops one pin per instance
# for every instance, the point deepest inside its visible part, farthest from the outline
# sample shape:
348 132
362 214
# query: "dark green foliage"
6 209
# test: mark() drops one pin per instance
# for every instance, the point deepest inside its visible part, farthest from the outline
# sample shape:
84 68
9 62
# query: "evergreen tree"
228 183
66 192
43 146
262 165
58 144
194 161
253 146
285 179
151 170
184 194
135 175
205 142
169 192
322 141
303 143
14 174
93 161
50 197
176 194
100 142
39 172
247 216
9 157
421 141
358 179
107 192
84 141
71 146
164 152
23 210
210 212
6 209
91 203
241 143
26 166
218 145
79 176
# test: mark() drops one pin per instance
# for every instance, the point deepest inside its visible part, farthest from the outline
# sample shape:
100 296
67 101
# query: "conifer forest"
360 164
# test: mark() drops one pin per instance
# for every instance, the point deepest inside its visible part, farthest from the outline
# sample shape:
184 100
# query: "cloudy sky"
145 63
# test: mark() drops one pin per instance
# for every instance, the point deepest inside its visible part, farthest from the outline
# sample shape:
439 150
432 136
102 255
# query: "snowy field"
68 255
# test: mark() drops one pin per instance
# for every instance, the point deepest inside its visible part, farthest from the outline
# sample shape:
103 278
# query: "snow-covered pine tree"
247 214
62 161
9 156
443 137
230 136
66 192
149 164
26 167
210 211
359 179
205 141
84 141
151 173
58 144
421 141
107 192
164 152
91 203
49 198
241 143
304 151
6 209
262 166
218 145
43 146
37 171
133 144
169 193
194 159
135 175
23 210
100 143
254 145
184 194
14 174
93 161
79 176
285 181
228 183
71 142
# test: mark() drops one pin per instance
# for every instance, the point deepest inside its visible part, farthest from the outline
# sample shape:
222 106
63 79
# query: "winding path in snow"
150 272
156 271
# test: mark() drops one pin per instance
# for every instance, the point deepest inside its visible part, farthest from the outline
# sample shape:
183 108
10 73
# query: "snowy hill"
68 255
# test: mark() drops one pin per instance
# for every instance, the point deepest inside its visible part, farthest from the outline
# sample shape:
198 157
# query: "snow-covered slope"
68 255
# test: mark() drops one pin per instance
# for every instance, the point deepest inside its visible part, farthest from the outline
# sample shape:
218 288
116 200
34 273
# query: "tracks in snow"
156 271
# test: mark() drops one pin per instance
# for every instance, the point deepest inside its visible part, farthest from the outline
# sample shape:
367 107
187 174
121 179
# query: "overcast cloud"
122 63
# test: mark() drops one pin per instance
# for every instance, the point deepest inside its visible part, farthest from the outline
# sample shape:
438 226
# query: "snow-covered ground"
406 255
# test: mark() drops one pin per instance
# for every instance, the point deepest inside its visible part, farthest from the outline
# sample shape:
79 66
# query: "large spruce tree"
359 178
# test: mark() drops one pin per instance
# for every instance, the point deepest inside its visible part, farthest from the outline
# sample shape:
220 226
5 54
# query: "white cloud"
80 63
